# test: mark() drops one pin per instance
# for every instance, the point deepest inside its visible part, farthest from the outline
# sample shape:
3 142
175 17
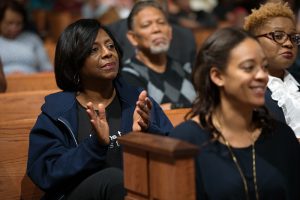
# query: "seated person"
274 25
165 79
93 9
73 147
182 46
2 78
244 153
21 51
194 15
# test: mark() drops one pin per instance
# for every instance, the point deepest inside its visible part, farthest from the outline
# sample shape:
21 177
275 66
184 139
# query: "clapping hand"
99 122
141 115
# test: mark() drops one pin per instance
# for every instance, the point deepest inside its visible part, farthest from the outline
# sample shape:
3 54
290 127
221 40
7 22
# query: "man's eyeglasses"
281 37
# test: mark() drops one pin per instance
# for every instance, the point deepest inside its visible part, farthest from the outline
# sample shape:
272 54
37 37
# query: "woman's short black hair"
72 49
215 52
15 6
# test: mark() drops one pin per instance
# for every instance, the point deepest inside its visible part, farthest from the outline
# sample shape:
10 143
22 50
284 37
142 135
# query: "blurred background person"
21 51
165 79
182 46
93 9
194 14
122 7
274 25
106 11
38 11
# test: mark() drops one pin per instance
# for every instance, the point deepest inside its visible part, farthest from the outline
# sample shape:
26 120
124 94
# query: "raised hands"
141 118
141 115
99 122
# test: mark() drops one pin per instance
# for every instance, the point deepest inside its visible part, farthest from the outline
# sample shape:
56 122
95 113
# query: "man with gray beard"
165 79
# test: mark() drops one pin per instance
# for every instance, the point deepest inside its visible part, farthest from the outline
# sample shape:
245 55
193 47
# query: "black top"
113 116
217 177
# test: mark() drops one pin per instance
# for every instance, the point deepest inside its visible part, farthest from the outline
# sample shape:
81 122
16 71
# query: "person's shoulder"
126 89
128 63
119 26
190 131
133 62
182 30
2 39
133 66
30 35
178 65
281 139
59 99
59 95
281 131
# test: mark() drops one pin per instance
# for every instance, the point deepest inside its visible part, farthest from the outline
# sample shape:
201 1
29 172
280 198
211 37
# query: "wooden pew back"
176 116
30 82
18 113
14 183
22 105
158 167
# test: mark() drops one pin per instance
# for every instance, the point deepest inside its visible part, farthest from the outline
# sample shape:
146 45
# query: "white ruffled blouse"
287 94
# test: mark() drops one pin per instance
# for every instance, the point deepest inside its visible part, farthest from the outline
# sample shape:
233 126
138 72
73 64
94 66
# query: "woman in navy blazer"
73 150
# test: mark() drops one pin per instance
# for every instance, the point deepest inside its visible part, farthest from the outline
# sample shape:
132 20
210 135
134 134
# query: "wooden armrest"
157 144
157 166
22 105
31 82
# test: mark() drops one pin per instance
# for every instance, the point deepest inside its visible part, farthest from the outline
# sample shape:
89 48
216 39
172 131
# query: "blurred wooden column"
158 167
201 35
58 21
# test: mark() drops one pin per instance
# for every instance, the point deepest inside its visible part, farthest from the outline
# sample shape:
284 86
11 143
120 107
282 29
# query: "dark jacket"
272 106
56 162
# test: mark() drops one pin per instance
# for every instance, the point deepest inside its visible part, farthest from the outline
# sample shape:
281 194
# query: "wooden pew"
14 183
22 105
158 167
176 116
161 156
30 82
18 113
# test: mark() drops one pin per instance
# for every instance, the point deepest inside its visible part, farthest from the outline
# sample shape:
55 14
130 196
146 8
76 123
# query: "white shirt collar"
289 82
286 93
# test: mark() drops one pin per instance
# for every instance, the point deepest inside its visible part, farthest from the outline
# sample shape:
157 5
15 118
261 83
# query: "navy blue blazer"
56 161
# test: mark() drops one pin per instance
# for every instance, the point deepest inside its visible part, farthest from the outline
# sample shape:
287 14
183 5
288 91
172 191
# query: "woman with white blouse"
274 25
